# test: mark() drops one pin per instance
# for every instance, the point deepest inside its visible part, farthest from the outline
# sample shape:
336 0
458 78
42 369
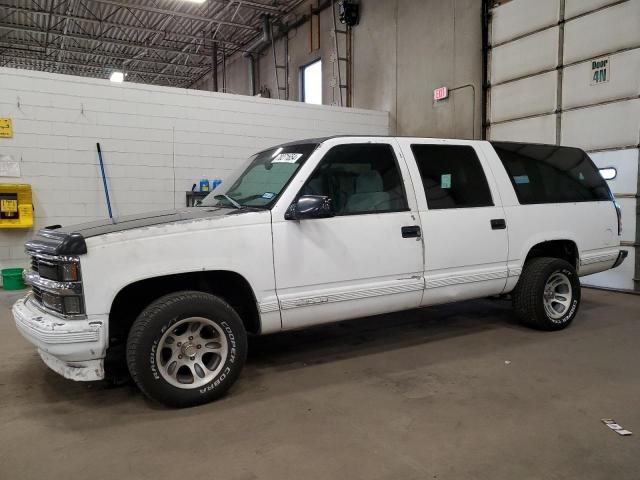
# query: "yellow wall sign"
16 207
6 129
8 206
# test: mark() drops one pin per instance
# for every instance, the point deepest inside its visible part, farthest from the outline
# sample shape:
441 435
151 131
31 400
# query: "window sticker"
286 158
521 179
268 195
445 180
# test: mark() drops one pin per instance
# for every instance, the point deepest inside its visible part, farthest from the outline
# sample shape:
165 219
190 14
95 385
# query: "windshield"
262 178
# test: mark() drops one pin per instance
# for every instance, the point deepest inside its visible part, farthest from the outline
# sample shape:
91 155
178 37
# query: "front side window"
359 178
452 176
551 174
262 179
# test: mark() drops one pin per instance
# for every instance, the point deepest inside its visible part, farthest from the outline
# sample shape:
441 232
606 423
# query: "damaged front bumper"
73 348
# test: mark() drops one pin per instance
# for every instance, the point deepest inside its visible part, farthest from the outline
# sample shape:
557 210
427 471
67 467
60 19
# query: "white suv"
312 232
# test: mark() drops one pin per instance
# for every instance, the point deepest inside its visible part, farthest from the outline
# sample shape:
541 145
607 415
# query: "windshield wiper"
229 199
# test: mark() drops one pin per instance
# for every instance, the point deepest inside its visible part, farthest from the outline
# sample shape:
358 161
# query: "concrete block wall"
402 51
156 142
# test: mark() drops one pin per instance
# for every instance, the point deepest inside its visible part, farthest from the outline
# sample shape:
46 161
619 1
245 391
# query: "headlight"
66 305
73 306
54 302
59 272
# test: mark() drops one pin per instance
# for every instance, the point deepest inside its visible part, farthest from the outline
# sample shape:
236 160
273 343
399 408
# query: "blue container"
204 184
214 183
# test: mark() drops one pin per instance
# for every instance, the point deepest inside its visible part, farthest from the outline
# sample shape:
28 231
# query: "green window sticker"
445 180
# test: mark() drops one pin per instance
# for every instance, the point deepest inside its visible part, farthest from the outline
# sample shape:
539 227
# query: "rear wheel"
186 348
548 294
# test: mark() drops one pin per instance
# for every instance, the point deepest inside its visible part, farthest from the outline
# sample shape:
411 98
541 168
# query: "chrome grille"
37 294
50 292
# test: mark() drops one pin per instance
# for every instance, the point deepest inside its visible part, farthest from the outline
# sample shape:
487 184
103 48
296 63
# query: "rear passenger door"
463 222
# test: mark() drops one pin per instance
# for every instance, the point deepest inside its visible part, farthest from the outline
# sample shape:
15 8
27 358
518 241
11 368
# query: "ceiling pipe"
254 48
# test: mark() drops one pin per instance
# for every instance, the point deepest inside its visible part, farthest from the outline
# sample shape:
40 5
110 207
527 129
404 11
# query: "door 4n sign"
600 72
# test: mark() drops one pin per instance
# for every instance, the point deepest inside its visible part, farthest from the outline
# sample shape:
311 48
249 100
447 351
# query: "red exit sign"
440 93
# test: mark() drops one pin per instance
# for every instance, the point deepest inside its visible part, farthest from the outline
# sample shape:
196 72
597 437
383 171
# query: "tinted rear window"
551 174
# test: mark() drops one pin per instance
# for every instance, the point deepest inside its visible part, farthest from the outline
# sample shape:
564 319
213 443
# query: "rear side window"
452 176
360 178
551 174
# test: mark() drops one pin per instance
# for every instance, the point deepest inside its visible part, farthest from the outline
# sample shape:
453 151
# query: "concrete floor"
426 394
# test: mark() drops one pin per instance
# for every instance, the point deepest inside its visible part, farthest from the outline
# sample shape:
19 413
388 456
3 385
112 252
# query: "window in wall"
551 174
311 76
452 176
359 178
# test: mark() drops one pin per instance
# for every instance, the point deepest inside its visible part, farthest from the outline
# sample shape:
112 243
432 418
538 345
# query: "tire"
186 348
547 296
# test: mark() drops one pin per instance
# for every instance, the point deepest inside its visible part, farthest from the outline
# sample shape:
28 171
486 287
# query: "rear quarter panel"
592 226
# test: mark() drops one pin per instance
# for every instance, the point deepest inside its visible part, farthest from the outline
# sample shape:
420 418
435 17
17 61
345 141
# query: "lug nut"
199 346
193 358
190 338
179 343
179 356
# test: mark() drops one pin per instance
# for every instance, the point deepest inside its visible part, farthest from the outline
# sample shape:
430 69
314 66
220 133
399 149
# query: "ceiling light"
117 77
195 1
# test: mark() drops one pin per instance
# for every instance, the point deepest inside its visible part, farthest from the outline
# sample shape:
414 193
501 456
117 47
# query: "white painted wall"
143 131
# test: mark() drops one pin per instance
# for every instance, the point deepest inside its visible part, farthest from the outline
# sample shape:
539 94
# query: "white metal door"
566 72
346 266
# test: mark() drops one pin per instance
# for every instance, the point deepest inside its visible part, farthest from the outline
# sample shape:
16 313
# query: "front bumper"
73 348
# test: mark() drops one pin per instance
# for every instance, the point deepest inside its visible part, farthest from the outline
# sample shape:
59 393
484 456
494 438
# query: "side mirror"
310 206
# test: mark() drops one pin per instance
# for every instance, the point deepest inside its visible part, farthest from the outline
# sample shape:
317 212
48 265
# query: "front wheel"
547 295
186 348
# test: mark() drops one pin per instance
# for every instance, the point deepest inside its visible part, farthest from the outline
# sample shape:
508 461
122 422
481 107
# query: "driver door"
368 258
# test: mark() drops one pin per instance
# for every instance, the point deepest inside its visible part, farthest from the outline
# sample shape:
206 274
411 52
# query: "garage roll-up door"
568 72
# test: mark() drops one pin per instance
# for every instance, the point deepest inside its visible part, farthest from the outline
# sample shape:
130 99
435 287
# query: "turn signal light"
69 272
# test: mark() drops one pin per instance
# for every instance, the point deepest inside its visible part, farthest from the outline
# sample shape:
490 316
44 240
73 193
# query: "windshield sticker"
268 195
520 179
445 180
286 158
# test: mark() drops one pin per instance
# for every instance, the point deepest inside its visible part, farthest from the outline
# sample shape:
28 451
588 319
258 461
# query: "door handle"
412 231
498 224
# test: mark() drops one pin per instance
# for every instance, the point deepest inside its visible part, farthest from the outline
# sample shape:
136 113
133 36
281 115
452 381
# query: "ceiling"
162 42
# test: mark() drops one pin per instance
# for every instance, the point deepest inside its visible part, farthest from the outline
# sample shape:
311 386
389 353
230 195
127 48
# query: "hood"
70 240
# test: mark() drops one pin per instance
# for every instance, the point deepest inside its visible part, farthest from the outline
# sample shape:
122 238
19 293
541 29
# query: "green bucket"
12 279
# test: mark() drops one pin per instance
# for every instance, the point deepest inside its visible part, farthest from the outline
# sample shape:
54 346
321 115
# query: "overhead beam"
110 41
175 13
36 48
103 66
94 72
260 7
121 26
